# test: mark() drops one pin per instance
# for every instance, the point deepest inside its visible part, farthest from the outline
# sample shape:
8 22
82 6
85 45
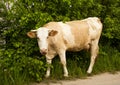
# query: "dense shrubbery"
20 57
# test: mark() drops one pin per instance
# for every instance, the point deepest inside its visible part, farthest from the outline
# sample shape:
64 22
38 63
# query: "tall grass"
77 63
13 78
108 60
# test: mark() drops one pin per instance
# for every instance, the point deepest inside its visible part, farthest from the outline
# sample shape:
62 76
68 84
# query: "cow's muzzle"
43 51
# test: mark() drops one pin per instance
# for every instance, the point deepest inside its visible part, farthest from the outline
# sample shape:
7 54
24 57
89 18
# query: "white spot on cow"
94 26
93 23
42 34
67 34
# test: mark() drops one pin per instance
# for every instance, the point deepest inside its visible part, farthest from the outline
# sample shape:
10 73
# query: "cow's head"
42 35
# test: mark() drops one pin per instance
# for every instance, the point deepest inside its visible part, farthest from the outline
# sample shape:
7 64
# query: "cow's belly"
79 47
74 49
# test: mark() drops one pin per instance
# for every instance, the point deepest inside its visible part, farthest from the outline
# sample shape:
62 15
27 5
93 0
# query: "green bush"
20 58
20 68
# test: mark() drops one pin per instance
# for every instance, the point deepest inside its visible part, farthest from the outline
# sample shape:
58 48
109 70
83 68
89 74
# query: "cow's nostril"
43 51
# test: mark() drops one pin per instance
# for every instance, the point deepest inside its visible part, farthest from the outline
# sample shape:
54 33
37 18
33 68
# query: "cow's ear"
32 34
52 32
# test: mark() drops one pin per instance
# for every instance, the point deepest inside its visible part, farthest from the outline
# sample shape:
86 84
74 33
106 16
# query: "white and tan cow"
55 38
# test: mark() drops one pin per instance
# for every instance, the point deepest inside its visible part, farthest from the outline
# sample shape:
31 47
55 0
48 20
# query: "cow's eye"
47 37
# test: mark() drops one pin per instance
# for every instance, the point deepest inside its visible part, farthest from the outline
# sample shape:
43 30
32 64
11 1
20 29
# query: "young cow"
58 37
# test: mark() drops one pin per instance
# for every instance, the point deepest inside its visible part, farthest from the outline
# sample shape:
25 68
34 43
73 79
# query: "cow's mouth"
43 52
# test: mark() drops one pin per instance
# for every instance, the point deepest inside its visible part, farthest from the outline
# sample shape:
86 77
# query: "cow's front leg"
62 56
49 61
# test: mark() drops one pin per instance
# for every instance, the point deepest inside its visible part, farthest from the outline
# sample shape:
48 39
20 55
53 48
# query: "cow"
55 38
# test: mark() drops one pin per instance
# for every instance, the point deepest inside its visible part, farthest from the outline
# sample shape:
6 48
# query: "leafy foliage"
20 55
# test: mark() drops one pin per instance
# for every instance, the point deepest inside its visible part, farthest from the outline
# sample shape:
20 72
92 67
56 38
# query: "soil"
101 79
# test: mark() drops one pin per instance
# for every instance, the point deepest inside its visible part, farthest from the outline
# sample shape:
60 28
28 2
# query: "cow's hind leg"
94 53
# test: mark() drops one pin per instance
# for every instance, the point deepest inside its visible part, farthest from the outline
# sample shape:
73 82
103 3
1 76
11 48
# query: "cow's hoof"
89 74
66 75
89 71
47 76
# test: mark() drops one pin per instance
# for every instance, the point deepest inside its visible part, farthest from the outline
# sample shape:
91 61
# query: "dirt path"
101 79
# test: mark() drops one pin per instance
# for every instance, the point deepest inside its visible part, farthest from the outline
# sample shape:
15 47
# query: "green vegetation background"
20 60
